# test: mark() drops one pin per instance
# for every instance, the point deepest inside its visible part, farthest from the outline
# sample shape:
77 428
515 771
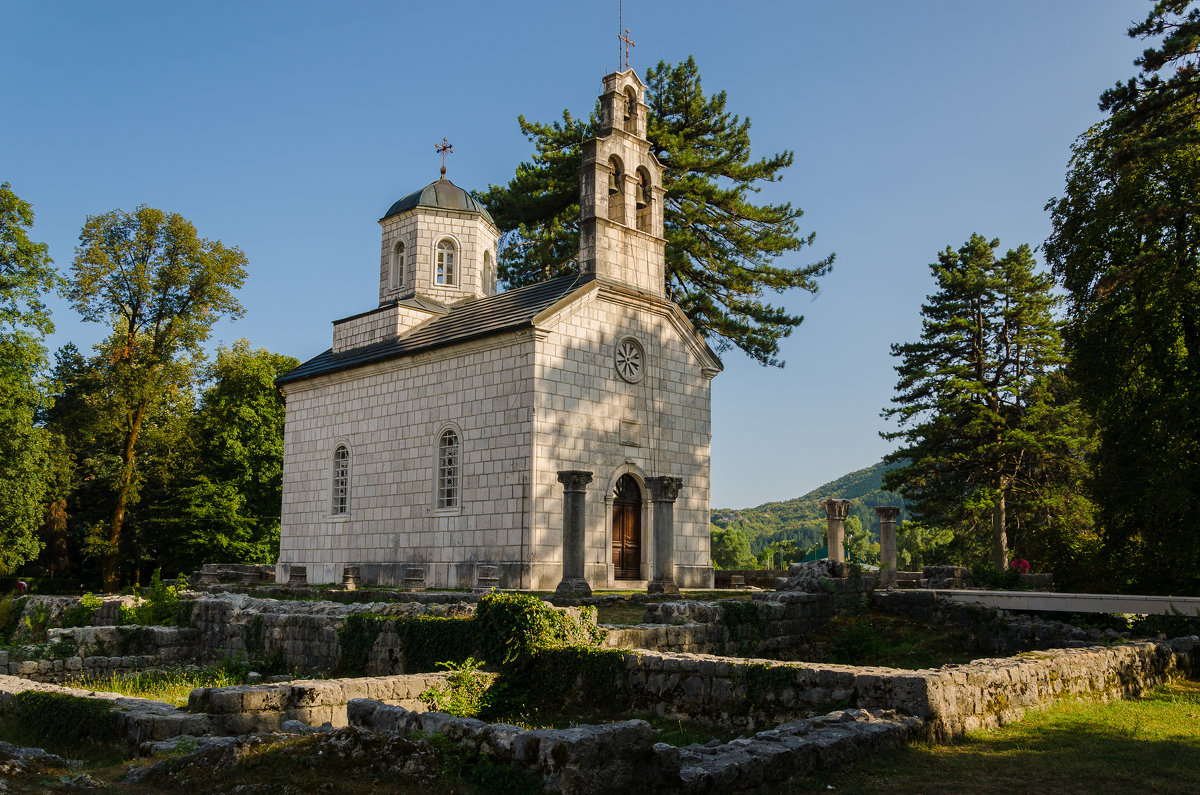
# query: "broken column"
887 544
574 585
836 512
663 492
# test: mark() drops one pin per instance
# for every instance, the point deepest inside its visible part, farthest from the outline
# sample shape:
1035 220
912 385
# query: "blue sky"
287 129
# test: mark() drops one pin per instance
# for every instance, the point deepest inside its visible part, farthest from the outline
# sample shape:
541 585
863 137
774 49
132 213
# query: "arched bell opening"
616 190
631 110
645 198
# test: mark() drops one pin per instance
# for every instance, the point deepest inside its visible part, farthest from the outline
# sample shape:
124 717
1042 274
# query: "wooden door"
627 530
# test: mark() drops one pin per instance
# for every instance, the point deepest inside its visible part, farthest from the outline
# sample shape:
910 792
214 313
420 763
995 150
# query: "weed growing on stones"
81 614
464 692
162 605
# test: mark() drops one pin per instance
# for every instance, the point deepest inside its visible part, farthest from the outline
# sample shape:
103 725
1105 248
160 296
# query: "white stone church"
424 446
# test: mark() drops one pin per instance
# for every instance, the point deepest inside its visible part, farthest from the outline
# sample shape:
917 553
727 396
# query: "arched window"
398 265
448 470
341 480
446 273
489 274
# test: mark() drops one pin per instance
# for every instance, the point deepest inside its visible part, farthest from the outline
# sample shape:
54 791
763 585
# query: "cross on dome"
443 149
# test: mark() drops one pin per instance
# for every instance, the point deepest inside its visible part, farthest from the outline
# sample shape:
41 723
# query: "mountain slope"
802 519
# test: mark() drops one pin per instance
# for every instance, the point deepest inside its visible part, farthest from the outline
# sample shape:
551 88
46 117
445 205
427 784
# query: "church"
425 446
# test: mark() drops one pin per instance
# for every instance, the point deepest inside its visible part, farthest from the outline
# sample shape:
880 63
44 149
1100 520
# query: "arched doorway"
627 529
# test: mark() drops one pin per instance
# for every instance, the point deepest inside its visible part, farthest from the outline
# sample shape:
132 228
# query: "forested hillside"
802 520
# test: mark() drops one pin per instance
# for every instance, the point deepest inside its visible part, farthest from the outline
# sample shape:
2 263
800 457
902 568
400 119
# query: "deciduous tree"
162 287
26 272
722 248
1126 246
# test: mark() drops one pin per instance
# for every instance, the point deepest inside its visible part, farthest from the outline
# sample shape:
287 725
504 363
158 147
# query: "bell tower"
621 193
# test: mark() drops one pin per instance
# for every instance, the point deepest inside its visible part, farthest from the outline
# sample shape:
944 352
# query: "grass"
1151 744
171 685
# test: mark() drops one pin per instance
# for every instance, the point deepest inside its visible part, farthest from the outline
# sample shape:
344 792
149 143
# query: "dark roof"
466 321
442 194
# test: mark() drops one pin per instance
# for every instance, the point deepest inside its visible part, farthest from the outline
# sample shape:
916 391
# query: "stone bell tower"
621 193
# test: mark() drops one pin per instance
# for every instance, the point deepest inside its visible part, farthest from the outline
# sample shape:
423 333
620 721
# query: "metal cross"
628 43
443 149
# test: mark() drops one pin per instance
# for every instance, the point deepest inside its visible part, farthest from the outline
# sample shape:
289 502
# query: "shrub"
10 616
162 605
357 636
463 694
81 615
513 626
58 720
432 641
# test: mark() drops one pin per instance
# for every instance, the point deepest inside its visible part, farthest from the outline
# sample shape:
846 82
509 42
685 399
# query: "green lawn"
1150 744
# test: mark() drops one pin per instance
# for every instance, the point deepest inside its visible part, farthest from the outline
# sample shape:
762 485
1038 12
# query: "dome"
443 195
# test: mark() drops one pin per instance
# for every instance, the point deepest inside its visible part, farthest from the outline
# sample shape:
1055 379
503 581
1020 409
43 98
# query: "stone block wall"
951 699
767 622
483 389
100 652
581 406
303 634
246 709
994 631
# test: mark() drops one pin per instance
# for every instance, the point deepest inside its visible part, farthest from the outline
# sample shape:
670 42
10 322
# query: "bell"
614 185
642 201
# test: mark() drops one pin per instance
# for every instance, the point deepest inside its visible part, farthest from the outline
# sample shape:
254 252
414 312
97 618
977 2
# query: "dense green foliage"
161 287
721 247
990 448
56 720
26 274
1126 247
731 549
208 485
162 605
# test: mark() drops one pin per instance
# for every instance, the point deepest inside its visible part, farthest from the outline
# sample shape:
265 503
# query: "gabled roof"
469 320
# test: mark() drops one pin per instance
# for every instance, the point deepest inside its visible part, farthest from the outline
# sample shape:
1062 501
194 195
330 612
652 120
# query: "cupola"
438 242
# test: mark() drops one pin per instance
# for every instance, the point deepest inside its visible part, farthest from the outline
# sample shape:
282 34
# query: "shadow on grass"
1148 745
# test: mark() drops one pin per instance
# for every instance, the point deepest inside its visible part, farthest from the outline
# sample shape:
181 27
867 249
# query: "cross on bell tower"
628 43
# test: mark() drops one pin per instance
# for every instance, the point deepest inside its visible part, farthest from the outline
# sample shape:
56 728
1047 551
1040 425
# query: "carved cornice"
887 513
664 488
836 509
574 479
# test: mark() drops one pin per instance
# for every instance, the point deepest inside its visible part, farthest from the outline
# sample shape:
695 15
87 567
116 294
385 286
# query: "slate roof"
470 320
442 194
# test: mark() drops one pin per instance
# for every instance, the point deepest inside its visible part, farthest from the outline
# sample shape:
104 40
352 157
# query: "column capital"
574 479
887 513
835 508
664 488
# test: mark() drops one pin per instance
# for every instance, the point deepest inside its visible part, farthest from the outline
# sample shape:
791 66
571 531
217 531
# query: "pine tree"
721 247
979 422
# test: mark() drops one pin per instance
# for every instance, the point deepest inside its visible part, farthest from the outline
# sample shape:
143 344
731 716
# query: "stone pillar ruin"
663 492
574 585
887 544
836 512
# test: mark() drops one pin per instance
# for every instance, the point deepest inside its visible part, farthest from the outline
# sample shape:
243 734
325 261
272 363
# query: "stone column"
887 544
574 585
836 512
663 491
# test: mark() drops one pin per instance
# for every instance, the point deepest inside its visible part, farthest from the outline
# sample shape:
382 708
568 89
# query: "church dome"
442 195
